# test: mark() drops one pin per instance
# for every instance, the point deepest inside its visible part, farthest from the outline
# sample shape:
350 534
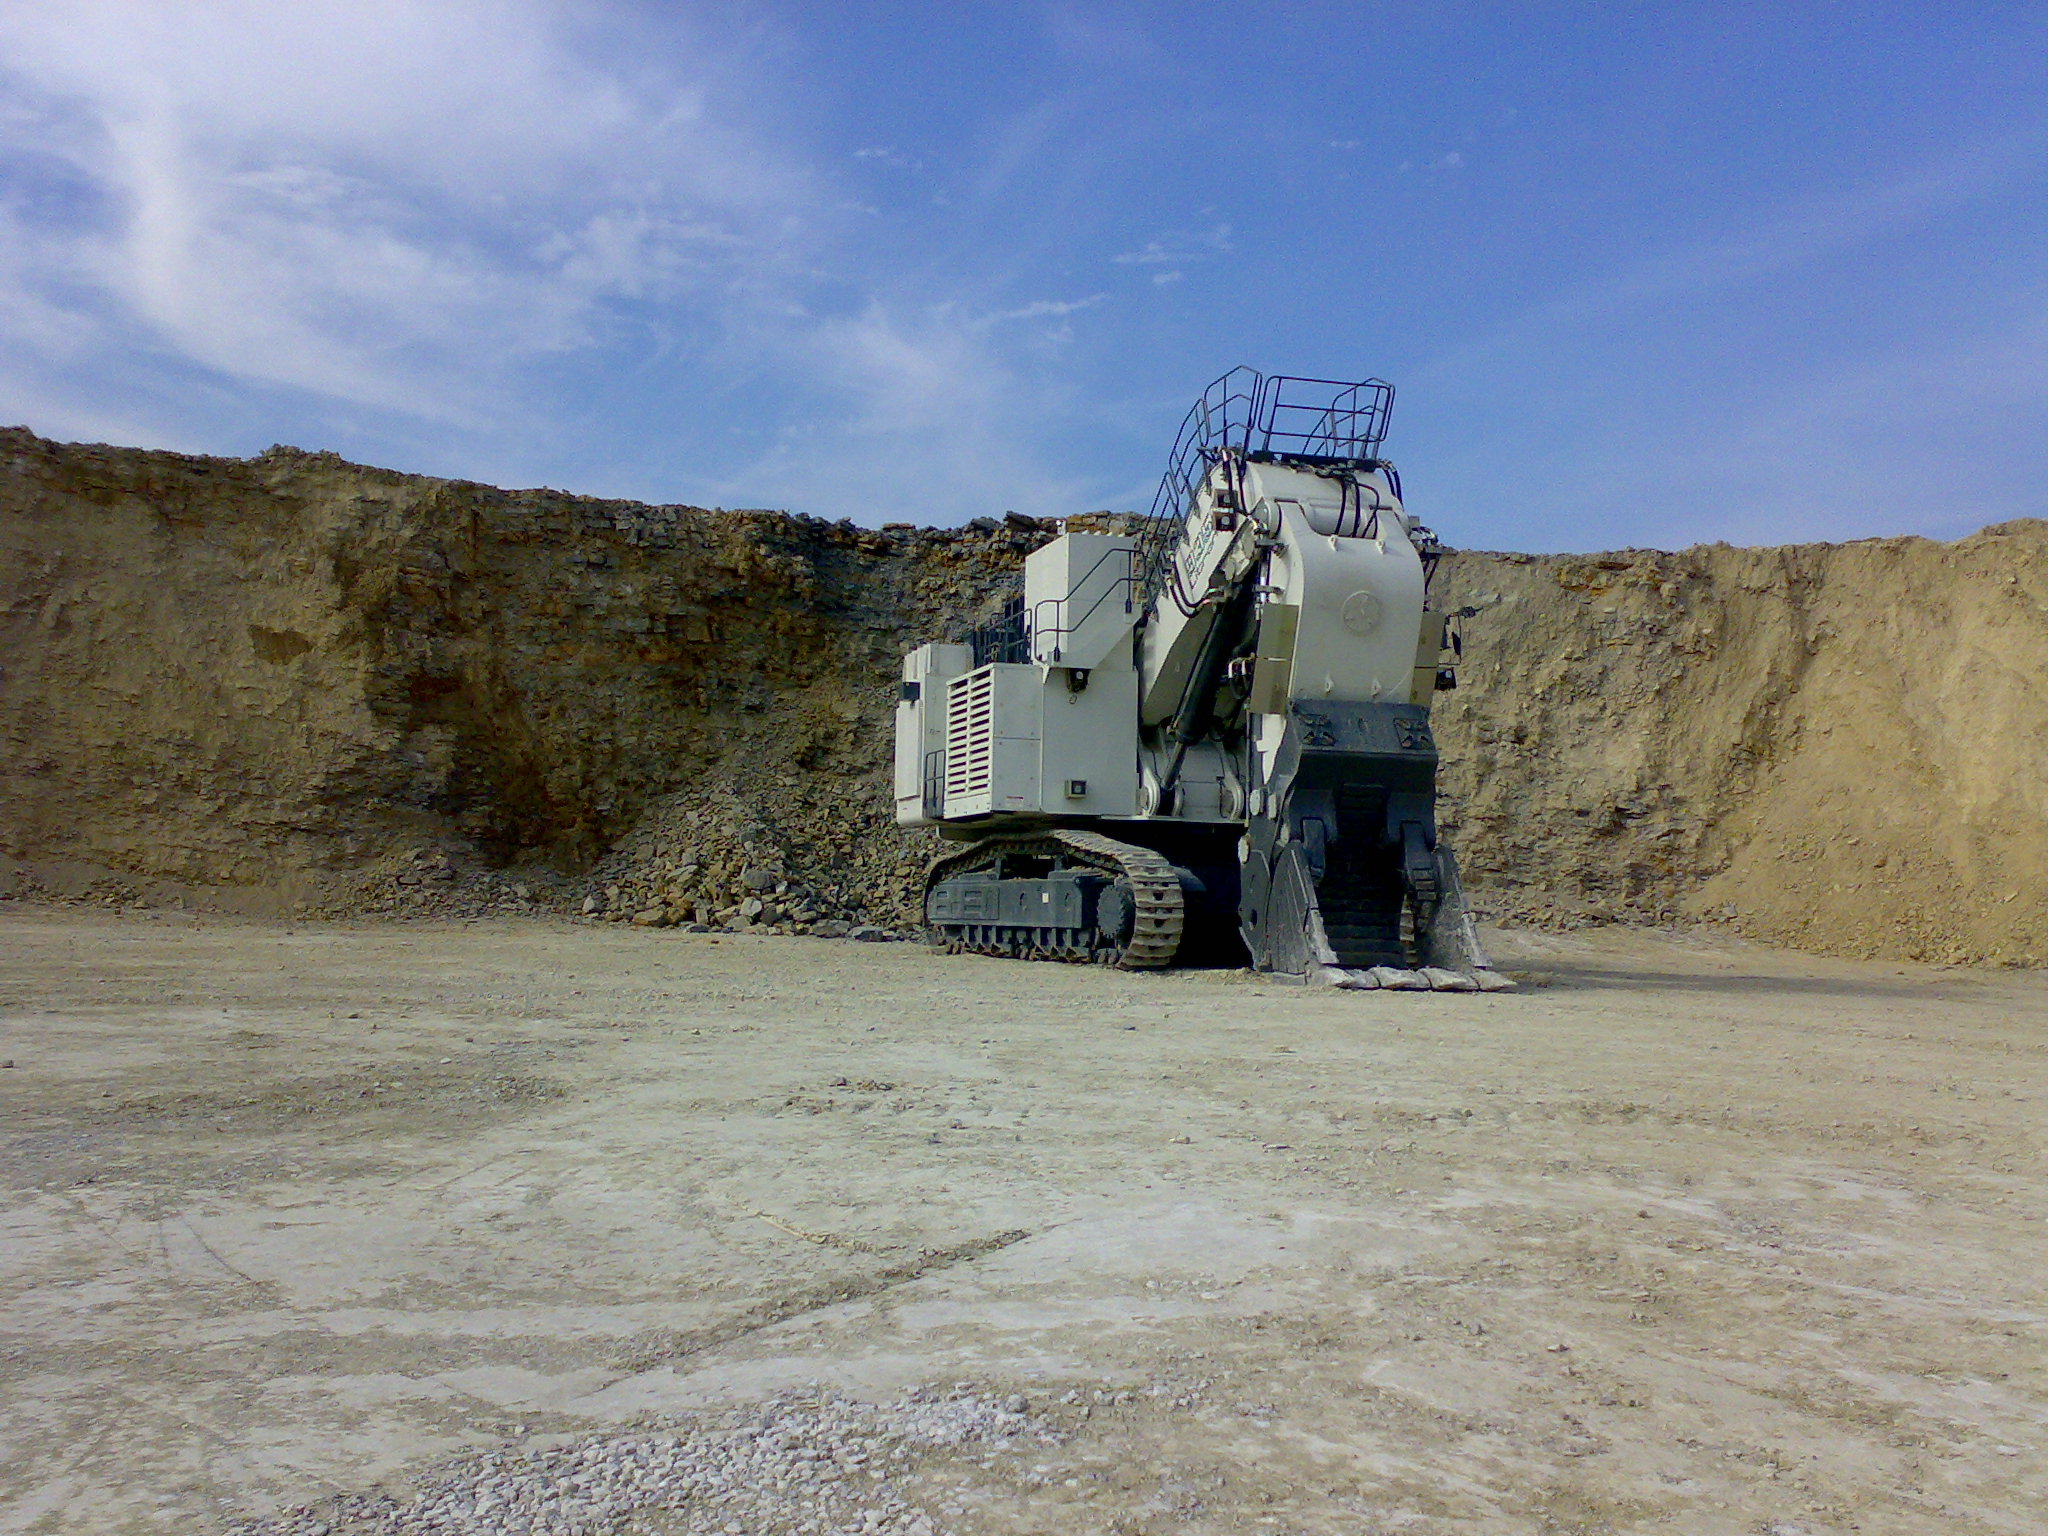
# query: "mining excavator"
1203 737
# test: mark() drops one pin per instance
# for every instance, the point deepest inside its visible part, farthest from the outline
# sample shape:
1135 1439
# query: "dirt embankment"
298 679
1837 747
293 679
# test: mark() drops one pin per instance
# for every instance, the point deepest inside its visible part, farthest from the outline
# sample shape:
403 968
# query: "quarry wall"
295 681
1836 747
277 681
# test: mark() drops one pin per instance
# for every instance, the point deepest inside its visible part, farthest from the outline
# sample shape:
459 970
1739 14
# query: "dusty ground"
1680 1237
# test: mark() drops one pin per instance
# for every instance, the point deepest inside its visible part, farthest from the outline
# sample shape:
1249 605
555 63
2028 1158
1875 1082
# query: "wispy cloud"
1819 456
1042 308
1178 249
413 211
894 159
934 419
1808 440
1792 236
393 205
1152 253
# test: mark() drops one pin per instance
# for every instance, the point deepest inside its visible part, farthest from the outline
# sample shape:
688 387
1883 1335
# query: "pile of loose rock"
820 1466
759 852
448 880
789 857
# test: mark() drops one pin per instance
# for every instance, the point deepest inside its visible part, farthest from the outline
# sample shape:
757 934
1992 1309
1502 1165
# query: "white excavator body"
1208 740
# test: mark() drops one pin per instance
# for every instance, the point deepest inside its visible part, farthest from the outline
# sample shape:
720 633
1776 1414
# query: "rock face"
1836 747
293 680
297 679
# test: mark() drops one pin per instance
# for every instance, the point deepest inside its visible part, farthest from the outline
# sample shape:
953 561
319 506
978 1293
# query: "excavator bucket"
1348 882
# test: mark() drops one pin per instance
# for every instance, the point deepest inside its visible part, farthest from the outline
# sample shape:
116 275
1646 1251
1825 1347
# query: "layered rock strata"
296 681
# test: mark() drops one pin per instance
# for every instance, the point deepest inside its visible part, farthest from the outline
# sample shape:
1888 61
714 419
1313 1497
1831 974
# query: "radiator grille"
970 732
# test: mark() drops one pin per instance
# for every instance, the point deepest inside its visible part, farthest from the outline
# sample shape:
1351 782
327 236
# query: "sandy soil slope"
294 684
1677 1238
1831 746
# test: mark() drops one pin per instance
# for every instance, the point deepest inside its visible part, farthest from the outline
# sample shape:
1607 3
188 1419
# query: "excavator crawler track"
1153 882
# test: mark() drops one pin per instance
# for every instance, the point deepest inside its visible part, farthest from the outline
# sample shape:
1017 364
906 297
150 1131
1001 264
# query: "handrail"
1247 415
1004 638
1127 584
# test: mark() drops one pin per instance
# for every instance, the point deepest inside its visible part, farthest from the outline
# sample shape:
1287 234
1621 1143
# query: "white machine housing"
1052 734
1053 727
1208 743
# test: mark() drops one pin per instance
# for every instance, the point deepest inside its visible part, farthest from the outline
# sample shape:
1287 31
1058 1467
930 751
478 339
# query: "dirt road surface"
302 1220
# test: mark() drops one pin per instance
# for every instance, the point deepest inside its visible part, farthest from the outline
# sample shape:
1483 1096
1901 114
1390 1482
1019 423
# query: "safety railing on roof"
1039 634
1006 637
1249 415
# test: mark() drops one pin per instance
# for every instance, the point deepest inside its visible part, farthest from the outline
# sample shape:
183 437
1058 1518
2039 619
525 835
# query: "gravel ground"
367 1226
804 1468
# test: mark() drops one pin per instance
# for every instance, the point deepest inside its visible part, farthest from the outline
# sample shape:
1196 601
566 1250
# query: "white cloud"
408 218
1819 455
1177 249
1793 236
896 160
1045 307
387 203
1911 423
1150 254
937 423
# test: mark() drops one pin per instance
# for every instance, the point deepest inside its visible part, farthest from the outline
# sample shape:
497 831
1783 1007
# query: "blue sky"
1641 275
